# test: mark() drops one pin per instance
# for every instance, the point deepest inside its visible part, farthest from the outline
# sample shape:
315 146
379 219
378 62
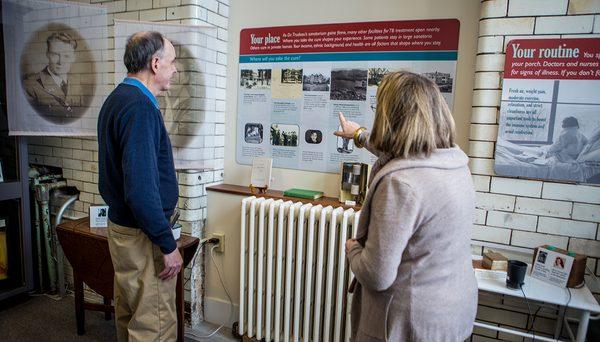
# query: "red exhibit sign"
433 35
555 59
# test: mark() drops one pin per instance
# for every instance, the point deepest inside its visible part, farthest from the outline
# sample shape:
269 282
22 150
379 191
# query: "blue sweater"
137 175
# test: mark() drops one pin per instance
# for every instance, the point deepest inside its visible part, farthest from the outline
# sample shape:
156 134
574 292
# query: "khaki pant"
144 304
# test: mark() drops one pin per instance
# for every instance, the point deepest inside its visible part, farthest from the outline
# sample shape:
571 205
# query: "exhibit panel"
294 80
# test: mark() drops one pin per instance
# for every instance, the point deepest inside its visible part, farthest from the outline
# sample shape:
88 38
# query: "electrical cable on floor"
212 257
529 310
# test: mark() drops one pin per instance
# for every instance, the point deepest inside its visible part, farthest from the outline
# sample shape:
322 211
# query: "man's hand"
348 127
173 263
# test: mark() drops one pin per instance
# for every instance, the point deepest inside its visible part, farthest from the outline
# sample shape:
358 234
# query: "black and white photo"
291 76
255 78
442 79
571 152
349 84
253 133
284 135
52 87
344 145
313 136
376 75
316 81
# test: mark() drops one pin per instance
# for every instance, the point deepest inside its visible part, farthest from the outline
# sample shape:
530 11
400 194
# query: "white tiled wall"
521 214
79 156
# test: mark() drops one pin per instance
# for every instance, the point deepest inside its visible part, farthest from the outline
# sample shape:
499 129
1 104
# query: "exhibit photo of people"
284 135
255 78
313 136
253 133
571 153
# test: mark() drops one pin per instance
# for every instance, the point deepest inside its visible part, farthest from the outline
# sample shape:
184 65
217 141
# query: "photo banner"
550 110
55 59
189 108
293 81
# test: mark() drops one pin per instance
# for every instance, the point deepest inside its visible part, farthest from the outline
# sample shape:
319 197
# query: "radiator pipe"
42 195
34 181
59 251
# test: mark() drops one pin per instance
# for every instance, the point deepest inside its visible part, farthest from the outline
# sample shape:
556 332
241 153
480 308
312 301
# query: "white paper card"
99 216
261 172
552 267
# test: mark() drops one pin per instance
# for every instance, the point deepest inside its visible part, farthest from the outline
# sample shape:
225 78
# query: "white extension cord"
192 334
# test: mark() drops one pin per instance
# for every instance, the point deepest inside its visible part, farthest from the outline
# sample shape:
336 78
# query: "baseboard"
216 311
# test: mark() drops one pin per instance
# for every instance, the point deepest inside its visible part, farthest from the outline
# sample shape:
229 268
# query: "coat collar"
49 85
441 158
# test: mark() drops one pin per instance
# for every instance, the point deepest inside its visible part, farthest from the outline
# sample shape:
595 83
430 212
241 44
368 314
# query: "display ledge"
245 191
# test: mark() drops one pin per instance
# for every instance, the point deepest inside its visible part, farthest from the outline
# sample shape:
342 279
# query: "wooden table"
87 250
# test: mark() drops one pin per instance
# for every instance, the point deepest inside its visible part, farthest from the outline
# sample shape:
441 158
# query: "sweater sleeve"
394 215
140 141
364 138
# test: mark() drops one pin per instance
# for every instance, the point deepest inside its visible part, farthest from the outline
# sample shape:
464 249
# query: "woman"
411 258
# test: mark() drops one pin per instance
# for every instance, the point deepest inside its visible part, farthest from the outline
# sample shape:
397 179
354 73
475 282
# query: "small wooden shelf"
245 191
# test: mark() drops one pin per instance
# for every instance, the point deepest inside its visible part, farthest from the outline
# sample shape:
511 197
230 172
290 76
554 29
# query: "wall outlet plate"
221 246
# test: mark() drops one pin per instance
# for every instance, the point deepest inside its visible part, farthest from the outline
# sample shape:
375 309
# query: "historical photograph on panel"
315 81
287 83
255 78
344 145
442 79
376 75
572 152
55 71
253 133
349 84
313 136
52 78
284 135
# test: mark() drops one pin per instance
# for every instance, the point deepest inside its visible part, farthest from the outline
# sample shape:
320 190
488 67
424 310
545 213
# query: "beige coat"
413 266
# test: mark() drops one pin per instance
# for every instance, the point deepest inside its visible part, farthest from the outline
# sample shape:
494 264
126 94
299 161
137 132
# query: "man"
49 91
137 180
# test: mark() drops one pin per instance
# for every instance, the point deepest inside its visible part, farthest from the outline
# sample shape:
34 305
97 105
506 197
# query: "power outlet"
221 245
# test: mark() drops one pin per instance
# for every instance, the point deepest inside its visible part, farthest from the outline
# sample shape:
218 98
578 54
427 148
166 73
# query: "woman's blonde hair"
411 118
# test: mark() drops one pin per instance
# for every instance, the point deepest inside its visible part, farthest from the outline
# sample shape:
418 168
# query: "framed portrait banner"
56 66
294 80
189 107
550 110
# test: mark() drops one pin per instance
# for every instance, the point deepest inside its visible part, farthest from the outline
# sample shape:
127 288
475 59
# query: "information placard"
293 81
550 110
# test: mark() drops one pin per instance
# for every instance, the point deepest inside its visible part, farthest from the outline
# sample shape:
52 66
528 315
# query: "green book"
303 193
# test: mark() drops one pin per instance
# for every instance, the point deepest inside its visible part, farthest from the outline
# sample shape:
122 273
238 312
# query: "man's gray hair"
141 48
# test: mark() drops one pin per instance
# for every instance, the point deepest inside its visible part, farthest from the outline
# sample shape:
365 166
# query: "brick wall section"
79 156
520 214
